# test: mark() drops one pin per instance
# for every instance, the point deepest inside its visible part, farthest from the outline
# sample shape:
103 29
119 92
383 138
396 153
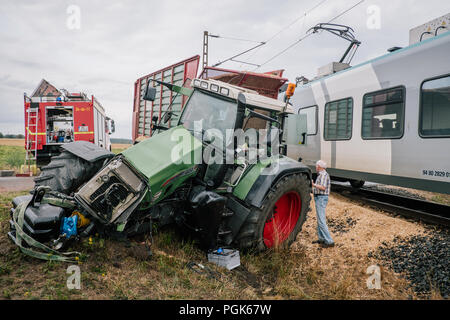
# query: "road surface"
12 184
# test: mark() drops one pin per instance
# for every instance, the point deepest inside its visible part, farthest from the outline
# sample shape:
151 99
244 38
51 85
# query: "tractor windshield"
210 112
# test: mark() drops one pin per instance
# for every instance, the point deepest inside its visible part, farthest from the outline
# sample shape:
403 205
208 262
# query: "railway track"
429 212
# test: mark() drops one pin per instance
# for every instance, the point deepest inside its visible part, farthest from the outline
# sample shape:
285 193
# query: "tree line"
12 136
21 136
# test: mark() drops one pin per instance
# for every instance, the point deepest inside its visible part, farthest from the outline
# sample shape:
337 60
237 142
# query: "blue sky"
119 41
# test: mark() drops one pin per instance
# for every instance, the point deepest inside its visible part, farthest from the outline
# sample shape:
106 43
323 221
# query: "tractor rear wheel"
66 172
280 218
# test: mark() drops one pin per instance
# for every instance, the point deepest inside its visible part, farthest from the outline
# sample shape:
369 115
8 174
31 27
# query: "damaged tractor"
197 175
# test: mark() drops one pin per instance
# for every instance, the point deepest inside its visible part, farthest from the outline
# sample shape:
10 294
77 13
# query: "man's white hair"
321 164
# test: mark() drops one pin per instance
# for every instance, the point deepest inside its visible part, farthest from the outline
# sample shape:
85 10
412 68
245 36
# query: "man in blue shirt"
321 190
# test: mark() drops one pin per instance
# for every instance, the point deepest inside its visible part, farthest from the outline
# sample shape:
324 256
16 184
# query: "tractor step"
227 214
222 233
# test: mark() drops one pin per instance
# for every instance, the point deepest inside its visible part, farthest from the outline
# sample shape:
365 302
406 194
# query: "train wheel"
357 183
280 218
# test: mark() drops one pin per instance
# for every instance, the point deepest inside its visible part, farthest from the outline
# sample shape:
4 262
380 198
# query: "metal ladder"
31 136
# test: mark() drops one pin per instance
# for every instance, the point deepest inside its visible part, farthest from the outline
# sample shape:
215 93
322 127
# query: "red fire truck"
54 117
182 73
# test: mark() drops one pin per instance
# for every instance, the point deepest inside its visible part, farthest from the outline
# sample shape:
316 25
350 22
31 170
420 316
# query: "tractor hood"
166 160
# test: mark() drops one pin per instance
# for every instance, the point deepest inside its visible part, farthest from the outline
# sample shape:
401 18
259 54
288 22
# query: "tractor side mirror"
155 119
113 126
209 139
150 93
241 102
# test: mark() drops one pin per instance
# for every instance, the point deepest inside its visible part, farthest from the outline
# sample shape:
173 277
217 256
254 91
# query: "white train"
385 121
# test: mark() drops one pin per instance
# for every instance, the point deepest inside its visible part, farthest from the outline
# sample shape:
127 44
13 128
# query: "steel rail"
426 211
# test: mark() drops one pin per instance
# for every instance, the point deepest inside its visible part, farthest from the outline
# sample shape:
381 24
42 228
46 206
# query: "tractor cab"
232 122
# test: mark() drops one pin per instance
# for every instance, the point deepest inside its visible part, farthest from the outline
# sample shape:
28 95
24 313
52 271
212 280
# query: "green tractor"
221 174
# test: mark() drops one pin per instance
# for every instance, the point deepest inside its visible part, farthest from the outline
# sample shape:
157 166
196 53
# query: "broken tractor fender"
87 151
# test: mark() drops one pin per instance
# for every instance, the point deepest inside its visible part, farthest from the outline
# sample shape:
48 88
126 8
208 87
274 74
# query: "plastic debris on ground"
69 226
227 258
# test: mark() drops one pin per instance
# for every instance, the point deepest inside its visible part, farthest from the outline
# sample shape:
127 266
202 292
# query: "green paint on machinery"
166 160
246 183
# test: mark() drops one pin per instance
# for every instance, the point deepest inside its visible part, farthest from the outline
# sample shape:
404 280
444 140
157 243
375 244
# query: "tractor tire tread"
250 234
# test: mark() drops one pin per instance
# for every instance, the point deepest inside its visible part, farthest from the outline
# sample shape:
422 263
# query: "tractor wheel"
66 172
280 217
357 184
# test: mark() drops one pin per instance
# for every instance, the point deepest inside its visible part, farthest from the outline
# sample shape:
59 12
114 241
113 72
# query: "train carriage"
385 121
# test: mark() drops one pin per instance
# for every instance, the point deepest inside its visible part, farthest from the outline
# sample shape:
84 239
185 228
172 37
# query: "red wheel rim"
282 222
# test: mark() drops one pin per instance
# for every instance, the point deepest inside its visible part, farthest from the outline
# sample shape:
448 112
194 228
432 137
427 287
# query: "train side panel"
409 160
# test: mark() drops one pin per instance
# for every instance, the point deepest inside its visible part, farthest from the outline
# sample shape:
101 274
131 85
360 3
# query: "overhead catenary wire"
344 12
307 35
302 17
297 20
301 39
232 38
239 54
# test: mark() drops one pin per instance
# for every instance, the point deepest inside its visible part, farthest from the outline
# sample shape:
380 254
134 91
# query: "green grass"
5 203
441 198
11 157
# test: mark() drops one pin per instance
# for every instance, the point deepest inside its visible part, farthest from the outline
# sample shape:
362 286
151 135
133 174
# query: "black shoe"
326 245
317 242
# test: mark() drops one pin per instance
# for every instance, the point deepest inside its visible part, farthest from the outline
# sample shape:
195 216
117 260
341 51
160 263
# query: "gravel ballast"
341 226
424 260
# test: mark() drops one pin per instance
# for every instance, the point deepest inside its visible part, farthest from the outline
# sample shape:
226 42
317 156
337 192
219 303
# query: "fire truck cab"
54 117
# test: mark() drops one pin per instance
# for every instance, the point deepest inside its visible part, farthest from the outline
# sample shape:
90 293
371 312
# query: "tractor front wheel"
280 218
66 172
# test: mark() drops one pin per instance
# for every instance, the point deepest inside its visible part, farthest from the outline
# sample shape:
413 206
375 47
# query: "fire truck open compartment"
60 127
54 117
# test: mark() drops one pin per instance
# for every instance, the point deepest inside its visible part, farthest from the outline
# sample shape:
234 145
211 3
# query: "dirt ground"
21 142
12 142
347 263
120 145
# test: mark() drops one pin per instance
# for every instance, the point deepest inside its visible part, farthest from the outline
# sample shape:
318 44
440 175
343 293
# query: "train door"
309 150
296 129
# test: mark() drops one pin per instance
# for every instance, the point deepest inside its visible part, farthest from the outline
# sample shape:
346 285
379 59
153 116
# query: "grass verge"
11 157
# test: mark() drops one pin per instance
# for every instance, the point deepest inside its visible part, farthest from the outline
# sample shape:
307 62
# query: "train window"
383 114
311 119
338 119
435 108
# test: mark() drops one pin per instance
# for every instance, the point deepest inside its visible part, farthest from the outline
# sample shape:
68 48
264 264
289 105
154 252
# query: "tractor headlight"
214 87
224 91
204 85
